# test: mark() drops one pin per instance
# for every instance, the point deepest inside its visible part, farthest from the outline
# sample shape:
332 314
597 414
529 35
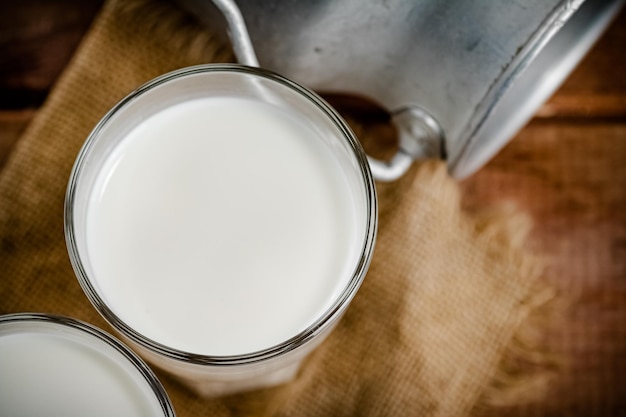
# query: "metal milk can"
460 77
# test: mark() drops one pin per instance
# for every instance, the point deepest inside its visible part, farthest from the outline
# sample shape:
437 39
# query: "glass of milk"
221 218
59 367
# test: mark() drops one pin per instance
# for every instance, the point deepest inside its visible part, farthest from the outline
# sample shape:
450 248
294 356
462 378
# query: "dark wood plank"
570 178
37 39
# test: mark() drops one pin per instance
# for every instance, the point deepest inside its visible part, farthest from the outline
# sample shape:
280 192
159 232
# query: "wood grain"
570 177
37 39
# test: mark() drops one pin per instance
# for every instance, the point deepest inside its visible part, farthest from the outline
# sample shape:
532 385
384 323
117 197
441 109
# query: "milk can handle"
237 32
418 131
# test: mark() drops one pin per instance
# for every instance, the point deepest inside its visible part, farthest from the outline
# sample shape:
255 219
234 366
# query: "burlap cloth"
437 327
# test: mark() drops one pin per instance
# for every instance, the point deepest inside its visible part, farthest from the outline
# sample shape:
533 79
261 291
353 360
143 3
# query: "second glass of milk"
56 366
221 218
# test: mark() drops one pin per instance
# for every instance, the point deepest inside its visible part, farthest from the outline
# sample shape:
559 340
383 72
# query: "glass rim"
100 335
300 339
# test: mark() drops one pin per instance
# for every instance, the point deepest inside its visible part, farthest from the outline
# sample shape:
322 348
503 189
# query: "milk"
53 371
222 226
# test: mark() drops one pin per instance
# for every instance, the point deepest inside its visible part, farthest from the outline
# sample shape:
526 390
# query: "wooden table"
566 169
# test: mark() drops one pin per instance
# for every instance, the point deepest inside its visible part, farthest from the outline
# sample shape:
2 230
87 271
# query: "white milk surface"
221 226
47 374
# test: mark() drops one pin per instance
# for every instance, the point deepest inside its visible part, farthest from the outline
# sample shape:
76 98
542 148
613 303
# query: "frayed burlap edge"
528 365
